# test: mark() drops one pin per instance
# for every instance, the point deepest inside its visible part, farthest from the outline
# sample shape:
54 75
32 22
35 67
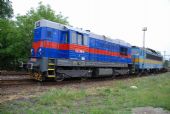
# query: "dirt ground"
149 110
11 92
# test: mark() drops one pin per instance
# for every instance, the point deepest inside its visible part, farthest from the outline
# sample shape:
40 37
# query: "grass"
117 98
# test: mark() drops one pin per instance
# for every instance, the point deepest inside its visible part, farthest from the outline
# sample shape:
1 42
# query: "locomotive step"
51 64
51 76
51 69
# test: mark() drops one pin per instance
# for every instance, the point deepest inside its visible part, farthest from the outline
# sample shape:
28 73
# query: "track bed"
18 86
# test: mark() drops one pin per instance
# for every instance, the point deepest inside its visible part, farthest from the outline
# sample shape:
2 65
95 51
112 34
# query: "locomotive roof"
148 50
47 23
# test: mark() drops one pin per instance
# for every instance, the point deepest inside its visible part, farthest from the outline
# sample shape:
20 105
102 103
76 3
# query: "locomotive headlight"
32 51
40 51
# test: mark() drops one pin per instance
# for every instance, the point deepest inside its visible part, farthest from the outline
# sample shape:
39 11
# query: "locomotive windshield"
135 52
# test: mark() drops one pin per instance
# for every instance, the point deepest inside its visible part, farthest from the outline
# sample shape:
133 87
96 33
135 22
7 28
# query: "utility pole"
144 29
164 55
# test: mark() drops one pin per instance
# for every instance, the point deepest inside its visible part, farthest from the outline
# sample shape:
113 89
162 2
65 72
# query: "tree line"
16 32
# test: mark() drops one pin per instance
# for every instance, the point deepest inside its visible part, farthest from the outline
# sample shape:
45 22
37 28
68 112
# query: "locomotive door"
45 37
63 44
82 48
135 59
78 46
48 43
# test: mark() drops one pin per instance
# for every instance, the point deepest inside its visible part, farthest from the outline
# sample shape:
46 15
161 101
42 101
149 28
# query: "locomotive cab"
47 40
53 41
50 41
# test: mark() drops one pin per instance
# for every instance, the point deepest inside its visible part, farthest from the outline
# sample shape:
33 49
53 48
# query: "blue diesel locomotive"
60 51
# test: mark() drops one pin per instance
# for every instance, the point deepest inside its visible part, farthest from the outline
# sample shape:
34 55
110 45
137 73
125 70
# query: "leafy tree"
7 38
6 10
16 36
166 63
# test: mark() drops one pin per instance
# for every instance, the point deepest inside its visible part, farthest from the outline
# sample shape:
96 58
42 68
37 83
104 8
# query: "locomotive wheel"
59 76
83 78
113 75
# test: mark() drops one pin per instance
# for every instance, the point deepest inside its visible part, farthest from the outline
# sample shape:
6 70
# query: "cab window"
49 34
123 51
66 38
80 39
85 40
73 38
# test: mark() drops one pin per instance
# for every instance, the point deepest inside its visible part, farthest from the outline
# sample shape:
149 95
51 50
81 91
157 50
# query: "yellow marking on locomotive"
148 61
51 76
51 69
51 64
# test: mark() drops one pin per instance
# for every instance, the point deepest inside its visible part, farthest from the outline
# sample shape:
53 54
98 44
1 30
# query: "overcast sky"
118 19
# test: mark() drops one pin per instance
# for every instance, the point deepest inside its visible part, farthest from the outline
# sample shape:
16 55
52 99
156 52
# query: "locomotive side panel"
63 51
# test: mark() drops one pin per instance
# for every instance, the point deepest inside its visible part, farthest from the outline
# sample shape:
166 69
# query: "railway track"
27 81
10 73
16 82
90 80
11 82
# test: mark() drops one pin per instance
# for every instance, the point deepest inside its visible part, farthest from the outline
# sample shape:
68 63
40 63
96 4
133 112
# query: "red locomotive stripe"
54 45
36 45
